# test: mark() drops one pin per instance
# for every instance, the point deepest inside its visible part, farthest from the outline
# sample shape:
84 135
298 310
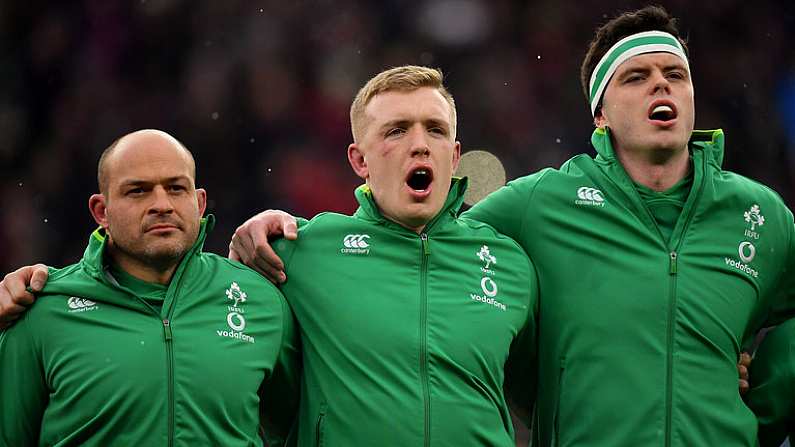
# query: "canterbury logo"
79 303
587 193
356 241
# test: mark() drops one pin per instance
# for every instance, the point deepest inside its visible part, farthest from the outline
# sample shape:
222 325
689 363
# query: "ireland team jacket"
639 338
91 364
406 336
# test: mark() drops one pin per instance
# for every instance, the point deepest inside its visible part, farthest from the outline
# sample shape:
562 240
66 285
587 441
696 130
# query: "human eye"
176 187
134 191
634 77
438 130
394 132
676 74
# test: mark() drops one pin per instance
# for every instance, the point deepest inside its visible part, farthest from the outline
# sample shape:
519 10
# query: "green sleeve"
520 373
280 393
23 393
521 366
506 209
772 394
784 301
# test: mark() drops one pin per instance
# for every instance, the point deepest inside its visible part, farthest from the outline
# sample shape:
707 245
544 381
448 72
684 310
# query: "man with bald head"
148 340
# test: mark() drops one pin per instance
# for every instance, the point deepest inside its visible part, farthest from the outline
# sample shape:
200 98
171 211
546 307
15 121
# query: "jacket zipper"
426 251
319 426
170 379
669 372
669 339
673 256
673 268
167 337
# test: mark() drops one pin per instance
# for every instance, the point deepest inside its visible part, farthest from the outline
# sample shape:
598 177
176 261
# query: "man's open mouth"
419 179
662 111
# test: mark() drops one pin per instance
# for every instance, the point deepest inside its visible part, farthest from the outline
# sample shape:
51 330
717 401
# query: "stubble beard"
160 257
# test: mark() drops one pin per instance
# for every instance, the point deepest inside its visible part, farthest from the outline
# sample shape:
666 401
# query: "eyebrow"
137 182
430 122
677 66
395 123
645 69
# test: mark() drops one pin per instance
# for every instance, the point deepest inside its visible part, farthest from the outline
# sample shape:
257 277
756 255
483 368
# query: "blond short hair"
406 78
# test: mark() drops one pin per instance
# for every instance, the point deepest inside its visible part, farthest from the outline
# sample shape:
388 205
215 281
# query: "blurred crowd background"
260 91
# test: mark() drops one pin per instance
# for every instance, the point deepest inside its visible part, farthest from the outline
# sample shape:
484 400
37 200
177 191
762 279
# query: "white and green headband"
640 43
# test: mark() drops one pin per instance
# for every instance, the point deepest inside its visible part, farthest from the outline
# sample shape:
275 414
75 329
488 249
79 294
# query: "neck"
144 270
659 170
416 229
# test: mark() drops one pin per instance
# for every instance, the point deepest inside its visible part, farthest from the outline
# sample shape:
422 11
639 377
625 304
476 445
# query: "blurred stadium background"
260 90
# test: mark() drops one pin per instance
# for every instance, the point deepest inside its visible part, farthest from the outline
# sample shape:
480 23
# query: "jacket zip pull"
672 263
425 245
167 329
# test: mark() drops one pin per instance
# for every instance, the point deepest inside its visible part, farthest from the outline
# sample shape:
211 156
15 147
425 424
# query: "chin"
166 252
668 142
417 219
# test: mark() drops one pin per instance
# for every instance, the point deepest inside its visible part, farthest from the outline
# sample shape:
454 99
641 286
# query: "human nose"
161 201
660 82
419 142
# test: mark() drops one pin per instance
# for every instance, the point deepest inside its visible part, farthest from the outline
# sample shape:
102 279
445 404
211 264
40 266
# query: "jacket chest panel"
598 265
360 307
477 306
365 304
104 350
232 330
101 351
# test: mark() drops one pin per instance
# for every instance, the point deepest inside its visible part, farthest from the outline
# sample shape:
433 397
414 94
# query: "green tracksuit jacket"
405 336
638 338
772 394
91 364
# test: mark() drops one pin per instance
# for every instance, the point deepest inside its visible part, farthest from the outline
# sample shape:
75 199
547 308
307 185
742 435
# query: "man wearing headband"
654 263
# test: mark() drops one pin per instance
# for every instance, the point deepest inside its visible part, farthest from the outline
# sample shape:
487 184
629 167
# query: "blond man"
412 321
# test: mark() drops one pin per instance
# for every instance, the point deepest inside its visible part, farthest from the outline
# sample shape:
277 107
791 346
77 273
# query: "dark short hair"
650 18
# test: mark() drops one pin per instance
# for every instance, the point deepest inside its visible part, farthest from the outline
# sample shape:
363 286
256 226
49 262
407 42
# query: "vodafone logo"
488 286
747 251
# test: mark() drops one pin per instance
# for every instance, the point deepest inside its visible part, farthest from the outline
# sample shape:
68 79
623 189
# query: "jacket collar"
708 141
94 261
368 209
